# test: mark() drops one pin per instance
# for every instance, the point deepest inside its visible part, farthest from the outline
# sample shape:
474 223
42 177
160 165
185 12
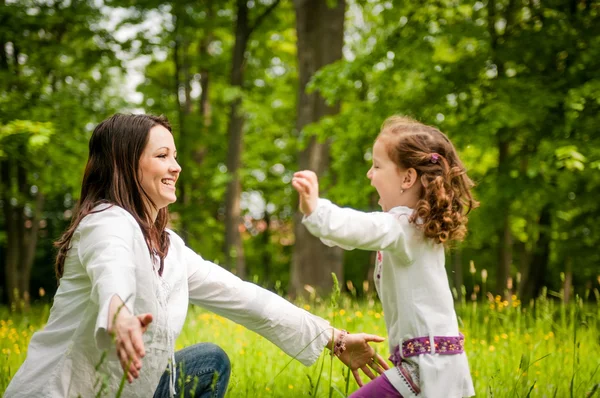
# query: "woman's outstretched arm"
297 332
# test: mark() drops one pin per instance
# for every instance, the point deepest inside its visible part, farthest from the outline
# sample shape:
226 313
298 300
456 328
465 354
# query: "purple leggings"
380 387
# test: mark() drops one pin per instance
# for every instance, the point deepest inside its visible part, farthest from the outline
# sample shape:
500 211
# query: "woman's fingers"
381 361
126 364
127 344
368 372
376 366
357 377
145 321
130 348
138 344
373 338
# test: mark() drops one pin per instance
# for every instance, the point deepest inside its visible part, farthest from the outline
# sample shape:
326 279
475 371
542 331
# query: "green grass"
544 349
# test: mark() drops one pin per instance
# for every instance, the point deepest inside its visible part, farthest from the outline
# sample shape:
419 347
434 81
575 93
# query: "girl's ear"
410 178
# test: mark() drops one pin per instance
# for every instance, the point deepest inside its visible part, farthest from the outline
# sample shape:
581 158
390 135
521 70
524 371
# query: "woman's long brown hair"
111 176
446 197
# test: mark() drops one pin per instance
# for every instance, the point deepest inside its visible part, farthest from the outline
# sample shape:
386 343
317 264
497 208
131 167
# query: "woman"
126 279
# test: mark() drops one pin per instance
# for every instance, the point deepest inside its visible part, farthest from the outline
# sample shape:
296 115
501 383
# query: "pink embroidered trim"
444 345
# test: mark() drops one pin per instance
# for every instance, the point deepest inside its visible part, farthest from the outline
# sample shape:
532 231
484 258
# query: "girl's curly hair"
445 199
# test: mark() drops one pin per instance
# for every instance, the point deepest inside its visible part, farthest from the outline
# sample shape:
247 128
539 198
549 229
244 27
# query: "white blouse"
109 256
412 284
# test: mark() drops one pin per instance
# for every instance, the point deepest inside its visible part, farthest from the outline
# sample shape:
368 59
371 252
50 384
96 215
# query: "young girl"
425 195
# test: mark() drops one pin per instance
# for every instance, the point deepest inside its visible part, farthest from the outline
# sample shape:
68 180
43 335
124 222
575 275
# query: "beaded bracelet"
339 346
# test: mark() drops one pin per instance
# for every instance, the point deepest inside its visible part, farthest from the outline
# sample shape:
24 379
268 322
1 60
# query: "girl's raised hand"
307 185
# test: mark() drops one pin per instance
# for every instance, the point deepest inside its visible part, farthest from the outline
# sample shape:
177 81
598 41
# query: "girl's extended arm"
346 227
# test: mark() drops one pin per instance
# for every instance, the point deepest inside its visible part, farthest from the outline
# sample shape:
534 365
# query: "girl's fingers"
307 175
297 184
303 185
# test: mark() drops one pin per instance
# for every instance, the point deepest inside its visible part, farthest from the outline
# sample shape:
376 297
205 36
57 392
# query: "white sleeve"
353 229
297 332
105 249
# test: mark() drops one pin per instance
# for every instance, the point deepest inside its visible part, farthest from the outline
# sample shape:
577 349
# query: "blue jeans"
202 371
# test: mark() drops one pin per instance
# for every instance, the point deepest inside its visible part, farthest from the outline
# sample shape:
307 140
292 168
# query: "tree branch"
262 16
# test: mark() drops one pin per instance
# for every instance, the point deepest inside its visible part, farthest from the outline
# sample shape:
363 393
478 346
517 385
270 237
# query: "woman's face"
158 167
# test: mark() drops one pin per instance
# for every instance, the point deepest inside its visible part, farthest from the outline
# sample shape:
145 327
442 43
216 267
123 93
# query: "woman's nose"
175 167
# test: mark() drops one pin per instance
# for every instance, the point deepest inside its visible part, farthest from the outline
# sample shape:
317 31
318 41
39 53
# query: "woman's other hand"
127 330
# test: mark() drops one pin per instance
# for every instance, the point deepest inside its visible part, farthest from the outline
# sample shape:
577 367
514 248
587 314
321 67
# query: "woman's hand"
127 331
307 185
360 355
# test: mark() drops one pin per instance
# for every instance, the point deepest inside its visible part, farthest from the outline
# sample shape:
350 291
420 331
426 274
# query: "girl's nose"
370 173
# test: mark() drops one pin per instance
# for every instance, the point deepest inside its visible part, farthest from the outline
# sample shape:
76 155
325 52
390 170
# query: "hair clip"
435 157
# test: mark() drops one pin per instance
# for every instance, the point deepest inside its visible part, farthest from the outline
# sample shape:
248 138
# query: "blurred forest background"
257 89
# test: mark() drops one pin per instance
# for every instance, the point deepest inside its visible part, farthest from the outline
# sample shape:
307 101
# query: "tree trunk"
21 233
568 284
505 248
266 245
12 239
233 247
184 108
320 30
524 265
533 281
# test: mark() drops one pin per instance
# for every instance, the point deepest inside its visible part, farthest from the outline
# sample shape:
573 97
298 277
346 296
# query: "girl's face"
158 167
386 177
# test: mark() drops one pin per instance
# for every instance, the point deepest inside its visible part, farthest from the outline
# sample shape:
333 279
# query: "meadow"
537 349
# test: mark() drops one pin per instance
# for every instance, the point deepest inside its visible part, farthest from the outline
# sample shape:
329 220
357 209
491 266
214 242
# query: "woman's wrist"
337 342
117 311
